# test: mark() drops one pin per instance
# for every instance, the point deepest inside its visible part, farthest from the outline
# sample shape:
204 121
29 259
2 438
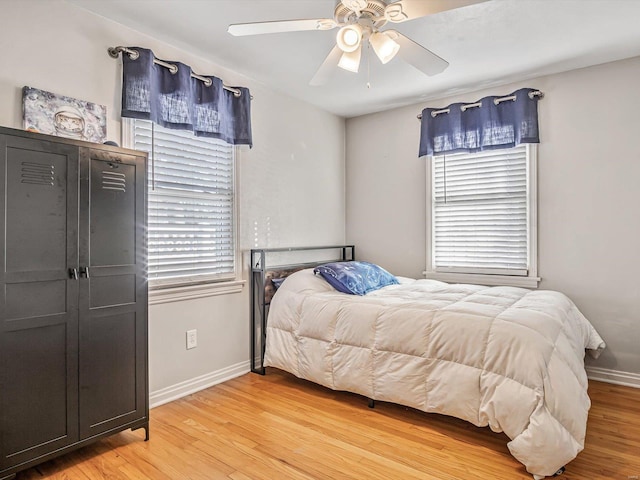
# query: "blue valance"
489 123
173 98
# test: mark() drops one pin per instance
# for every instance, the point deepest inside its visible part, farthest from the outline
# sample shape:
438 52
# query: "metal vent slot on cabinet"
37 173
113 181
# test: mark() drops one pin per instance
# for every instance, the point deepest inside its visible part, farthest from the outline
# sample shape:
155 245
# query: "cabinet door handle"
84 272
73 273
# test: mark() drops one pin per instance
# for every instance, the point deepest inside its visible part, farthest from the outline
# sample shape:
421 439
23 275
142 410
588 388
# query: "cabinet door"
38 300
113 299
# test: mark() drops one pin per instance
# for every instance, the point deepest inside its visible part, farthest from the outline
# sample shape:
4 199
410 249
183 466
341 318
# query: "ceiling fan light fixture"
350 61
384 46
349 38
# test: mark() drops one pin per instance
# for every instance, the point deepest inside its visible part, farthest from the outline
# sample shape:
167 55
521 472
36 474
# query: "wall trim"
182 389
193 385
616 377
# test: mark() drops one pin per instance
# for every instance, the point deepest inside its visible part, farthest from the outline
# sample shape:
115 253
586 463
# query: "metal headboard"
268 262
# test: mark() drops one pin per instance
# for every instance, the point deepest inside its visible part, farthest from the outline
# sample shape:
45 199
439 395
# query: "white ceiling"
491 43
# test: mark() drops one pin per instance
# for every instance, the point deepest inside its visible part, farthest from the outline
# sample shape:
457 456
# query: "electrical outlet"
192 339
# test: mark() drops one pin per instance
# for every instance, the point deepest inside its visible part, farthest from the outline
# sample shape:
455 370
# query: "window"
191 221
482 217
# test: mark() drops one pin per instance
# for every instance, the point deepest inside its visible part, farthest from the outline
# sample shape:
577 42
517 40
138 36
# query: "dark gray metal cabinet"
73 304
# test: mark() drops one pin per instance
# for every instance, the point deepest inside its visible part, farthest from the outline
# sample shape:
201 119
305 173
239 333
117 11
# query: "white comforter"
506 357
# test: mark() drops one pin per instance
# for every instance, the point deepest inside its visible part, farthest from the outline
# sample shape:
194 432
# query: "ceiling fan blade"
404 10
258 28
327 68
415 54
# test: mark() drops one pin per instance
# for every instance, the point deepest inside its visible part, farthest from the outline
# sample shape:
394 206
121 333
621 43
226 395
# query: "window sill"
189 292
478 279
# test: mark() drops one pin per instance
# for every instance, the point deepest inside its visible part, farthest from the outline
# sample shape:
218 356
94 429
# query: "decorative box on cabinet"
73 305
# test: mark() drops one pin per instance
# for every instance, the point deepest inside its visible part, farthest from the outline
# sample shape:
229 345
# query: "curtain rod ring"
208 82
464 108
513 98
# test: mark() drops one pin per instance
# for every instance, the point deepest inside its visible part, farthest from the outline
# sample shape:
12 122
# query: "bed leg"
372 403
559 472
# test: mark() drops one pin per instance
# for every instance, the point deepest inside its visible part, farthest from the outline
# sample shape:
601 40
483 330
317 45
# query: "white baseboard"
616 377
182 389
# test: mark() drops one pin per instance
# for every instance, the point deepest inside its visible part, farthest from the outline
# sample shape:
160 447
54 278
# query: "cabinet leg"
146 432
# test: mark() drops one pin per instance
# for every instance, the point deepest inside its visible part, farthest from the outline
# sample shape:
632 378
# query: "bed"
504 357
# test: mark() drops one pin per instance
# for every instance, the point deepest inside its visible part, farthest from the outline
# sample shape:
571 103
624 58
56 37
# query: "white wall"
588 195
291 184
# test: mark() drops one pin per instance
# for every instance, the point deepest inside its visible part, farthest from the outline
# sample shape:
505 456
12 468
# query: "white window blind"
190 205
480 212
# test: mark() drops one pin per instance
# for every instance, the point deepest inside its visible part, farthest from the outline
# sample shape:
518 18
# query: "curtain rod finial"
114 52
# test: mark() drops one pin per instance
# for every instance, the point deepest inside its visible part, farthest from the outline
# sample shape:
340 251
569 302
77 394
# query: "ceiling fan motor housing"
349 11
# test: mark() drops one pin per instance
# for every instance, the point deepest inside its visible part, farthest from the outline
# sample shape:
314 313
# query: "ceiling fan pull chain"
368 64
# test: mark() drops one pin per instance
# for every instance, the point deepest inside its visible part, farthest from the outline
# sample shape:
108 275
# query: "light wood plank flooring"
279 427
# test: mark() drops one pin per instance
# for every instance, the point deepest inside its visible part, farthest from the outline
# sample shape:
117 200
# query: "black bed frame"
261 273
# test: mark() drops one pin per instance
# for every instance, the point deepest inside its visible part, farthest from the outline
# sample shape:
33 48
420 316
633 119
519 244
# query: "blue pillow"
355 278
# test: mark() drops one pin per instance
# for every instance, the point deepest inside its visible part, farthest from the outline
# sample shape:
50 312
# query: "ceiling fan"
360 21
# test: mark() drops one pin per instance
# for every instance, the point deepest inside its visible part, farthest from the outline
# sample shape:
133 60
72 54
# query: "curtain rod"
435 113
114 52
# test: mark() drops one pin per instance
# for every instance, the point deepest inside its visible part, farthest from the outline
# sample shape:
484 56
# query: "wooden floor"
279 427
